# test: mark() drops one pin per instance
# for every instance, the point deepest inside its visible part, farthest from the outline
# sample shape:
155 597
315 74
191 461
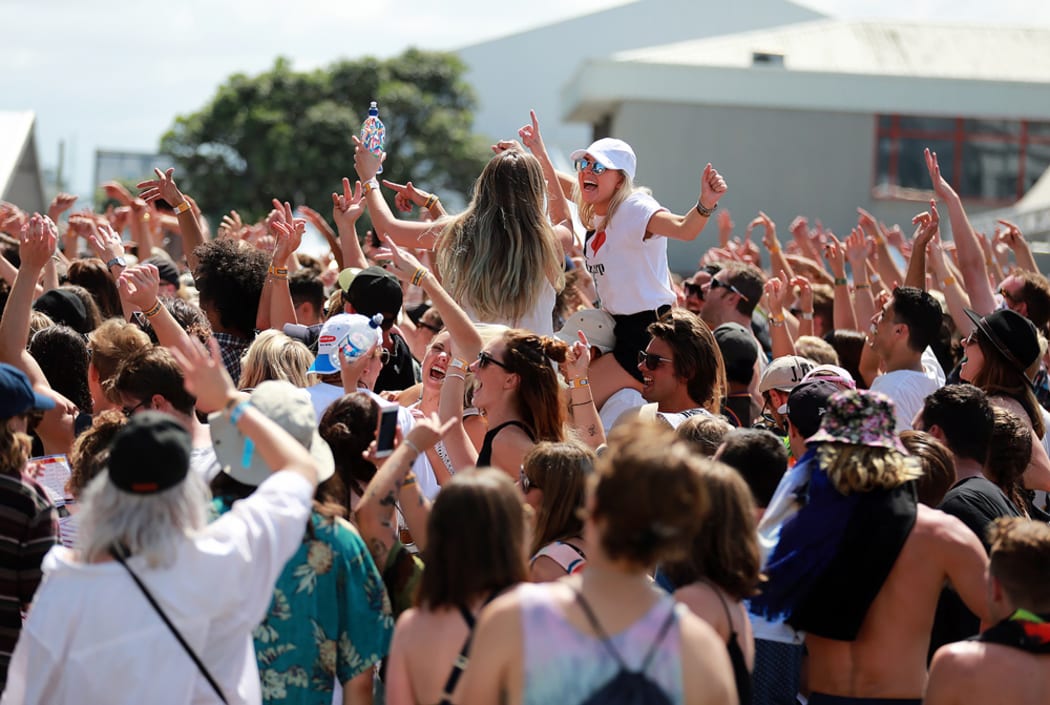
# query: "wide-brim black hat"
1013 335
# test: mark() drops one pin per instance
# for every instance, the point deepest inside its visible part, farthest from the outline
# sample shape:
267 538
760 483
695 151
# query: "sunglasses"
970 339
1009 297
433 329
484 360
694 290
715 284
651 360
130 411
597 169
525 482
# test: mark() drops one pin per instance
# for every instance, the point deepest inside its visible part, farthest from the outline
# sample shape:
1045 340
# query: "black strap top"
485 454
736 654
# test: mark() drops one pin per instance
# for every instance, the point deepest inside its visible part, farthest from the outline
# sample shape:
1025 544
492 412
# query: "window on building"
991 161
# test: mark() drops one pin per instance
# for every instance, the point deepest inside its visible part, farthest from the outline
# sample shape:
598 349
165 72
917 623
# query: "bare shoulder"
707 675
940 526
702 601
545 569
952 673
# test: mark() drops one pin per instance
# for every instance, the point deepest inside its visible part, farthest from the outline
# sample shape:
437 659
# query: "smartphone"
387 428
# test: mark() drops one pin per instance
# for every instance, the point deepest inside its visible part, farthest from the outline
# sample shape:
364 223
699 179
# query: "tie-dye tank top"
565 666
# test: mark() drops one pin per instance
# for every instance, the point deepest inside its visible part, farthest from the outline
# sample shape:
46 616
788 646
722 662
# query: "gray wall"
784 162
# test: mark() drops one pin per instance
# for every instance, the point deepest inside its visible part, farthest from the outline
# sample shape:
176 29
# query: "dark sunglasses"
694 290
484 360
433 329
525 482
1009 297
651 360
597 169
716 284
130 411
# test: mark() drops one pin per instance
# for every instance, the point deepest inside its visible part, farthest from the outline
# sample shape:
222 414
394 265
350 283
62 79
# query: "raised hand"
503 145
105 242
37 243
118 193
288 231
928 224
427 430
775 290
12 218
712 187
402 263
769 231
530 135
1011 235
231 225
578 357
725 228
161 187
405 195
60 204
856 250
941 187
205 376
805 292
366 164
139 285
835 254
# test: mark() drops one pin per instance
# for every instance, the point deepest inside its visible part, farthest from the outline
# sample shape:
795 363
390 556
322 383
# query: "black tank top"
736 654
485 454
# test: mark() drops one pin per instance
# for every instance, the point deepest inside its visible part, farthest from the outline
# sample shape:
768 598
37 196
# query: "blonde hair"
274 355
498 255
624 191
855 468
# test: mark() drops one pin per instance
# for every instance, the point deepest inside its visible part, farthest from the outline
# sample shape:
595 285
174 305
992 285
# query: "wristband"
841 281
861 286
449 374
459 363
806 315
370 185
776 322
948 282
774 249
182 208
413 447
278 272
431 200
238 411
419 276
578 382
410 479
703 210
582 403
153 310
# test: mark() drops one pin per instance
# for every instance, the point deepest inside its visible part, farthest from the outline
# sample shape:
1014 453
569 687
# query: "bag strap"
664 628
189 650
463 659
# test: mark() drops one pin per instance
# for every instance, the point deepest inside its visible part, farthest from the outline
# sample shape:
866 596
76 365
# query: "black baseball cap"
150 454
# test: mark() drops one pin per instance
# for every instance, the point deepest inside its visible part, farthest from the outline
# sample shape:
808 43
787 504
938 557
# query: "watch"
120 261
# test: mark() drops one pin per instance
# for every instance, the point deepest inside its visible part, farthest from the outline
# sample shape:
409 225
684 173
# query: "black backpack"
627 687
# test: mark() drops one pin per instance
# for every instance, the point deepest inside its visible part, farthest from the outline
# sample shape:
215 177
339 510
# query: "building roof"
16 130
875 48
845 66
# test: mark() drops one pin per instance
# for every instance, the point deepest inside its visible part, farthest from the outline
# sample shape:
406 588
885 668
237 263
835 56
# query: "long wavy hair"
529 356
151 526
498 255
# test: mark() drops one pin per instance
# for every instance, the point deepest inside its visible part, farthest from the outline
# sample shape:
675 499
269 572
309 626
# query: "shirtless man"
1009 663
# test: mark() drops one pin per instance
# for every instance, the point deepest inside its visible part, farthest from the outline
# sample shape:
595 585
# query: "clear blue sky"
114 75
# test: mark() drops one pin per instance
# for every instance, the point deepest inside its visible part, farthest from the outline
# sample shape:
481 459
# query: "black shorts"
632 336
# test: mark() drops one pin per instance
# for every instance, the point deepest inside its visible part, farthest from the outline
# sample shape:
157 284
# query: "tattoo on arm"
592 430
389 501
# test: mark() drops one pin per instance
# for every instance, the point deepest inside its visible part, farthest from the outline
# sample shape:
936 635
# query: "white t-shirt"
630 273
92 637
539 320
908 390
324 395
620 401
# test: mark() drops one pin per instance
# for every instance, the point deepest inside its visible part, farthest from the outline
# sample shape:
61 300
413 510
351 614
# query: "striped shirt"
28 530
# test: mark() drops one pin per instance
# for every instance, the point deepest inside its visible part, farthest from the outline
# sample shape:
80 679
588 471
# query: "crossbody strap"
607 641
463 659
189 650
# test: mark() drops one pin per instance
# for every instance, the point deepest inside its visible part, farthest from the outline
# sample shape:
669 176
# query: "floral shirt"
329 618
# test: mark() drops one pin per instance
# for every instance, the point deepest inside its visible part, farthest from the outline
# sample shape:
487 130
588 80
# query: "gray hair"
151 526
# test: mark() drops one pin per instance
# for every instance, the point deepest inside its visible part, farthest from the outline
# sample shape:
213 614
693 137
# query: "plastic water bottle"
373 133
362 333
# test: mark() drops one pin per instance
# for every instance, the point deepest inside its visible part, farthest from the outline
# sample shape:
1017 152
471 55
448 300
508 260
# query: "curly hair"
15 447
91 450
528 355
230 278
111 342
500 253
62 354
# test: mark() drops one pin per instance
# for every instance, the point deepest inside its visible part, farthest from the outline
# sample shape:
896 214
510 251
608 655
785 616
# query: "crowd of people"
803 473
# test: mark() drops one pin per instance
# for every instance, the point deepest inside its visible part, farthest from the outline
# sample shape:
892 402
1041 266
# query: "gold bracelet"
950 280
182 208
431 200
419 276
153 310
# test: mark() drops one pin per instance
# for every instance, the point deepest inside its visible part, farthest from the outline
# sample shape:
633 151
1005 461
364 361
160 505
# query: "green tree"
287 134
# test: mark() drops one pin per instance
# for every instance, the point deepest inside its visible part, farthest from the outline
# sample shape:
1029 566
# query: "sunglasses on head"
651 360
597 169
484 360
716 284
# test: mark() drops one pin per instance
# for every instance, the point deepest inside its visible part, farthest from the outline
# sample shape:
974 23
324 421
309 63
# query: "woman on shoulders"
551 642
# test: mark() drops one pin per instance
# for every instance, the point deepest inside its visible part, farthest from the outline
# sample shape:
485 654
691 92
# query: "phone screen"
387 429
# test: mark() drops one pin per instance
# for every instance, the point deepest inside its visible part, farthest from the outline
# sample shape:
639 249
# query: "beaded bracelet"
419 276
153 310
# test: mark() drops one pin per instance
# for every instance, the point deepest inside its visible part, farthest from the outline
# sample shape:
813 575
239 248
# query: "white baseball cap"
611 153
596 324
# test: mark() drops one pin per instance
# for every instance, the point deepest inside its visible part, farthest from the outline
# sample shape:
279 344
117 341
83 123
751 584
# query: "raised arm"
208 381
288 232
406 233
557 202
842 309
164 187
38 240
585 419
777 261
138 287
688 226
971 258
1013 238
775 290
857 254
887 268
347 208
927 225
949 285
